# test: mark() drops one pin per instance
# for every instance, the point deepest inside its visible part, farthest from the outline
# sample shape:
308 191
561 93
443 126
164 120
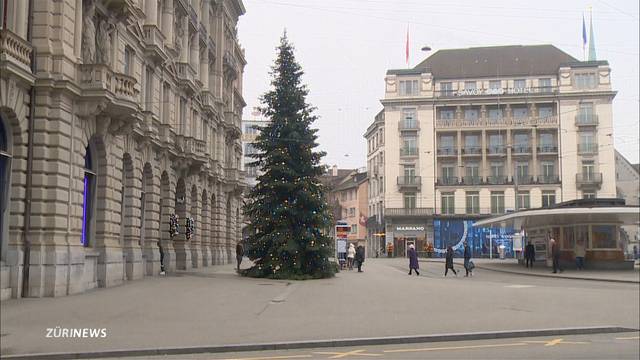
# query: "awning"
621 215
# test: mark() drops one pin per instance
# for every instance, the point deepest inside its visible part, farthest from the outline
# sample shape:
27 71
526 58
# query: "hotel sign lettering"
499 91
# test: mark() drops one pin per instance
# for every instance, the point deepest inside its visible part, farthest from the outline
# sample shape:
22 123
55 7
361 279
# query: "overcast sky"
346 46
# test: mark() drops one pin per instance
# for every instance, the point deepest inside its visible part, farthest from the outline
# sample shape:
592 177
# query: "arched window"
88 197
5 184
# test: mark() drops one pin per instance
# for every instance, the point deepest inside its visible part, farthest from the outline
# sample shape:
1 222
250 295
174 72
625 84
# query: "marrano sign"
409 228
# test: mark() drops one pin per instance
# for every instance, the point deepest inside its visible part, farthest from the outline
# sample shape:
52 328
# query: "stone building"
628 188
114 116
470 133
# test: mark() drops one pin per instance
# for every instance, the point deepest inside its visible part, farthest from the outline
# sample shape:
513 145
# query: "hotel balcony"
186 77
471 180
99 82
504 122
548 179
407 152
496 151
523 180
447 151
154 43
409 183
588 148
405 125
15 55
471 151
408 212
547 149
586 120
521 150
588 180
447 181
497 180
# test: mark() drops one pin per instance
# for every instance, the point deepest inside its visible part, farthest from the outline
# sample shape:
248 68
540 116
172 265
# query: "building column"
184 53
534 152
151 12
167 22
204 69
77 28
21 18
485 169
194 49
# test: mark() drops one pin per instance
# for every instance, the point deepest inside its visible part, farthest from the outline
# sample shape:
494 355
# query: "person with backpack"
449 262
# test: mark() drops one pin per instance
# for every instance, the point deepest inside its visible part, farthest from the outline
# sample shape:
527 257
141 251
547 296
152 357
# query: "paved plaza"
215 306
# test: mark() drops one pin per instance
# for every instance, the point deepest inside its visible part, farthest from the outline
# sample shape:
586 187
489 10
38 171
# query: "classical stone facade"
116 115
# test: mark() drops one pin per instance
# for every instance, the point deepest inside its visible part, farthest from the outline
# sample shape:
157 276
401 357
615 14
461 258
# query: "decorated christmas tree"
286 209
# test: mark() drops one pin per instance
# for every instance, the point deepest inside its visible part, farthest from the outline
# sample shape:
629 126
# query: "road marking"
455 347
273 357
629 338
339 355
555 342
519 286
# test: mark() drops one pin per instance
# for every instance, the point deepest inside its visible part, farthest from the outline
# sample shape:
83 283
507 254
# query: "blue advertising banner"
482 241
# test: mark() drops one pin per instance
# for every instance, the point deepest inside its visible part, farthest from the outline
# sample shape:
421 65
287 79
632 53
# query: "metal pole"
490 243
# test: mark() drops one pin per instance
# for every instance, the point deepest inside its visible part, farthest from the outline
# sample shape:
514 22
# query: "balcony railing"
497 180
409 152
408 211
548 149
100 80
529 121
471 150
590 179
472 180
496 150
154 41
523 180
405 125
586 120
15 47
448 180
447 151
521 149
588 148
409 181
548 179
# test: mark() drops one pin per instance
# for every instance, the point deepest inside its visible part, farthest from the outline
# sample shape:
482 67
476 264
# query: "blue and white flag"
584 34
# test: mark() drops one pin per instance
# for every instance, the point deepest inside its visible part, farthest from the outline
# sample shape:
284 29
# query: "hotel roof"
495 61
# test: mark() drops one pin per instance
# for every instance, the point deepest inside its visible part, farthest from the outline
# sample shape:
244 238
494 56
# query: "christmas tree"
286 209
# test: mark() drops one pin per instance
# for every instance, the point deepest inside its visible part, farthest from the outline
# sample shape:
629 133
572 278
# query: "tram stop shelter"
595 223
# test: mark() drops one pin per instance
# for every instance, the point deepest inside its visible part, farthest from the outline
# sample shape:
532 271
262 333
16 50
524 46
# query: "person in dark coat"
449 262
467 259
239 254
529 254
555 255
360 257
413 259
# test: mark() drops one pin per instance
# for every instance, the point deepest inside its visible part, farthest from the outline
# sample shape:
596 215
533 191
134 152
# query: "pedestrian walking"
555 255
449 262
239 255
413 260
351 253
529 254
360 257
467 260
579 251
162 269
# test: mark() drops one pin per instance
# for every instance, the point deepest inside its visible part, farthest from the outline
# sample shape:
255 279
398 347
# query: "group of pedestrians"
355 255
579 251
448 264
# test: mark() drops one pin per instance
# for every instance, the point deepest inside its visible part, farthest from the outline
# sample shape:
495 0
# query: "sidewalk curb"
542 275
326 343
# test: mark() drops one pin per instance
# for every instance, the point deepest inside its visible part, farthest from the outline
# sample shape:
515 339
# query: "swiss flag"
407 47
363 220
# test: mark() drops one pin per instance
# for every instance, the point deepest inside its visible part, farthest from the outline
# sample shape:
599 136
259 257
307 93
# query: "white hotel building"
473 132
